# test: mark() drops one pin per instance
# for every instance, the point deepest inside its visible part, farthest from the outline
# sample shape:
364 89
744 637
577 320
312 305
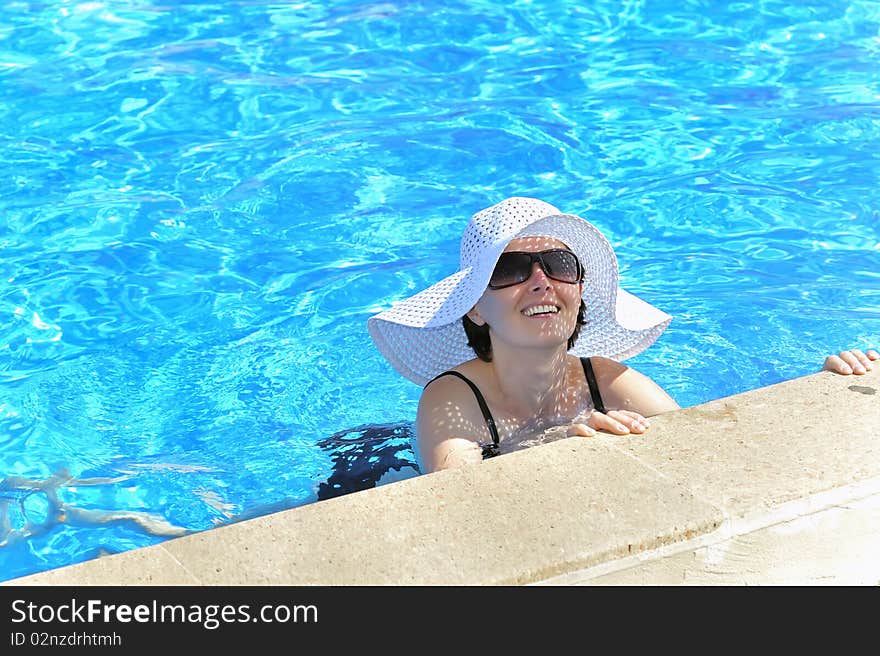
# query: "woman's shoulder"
625 388
472 368
448 424
450 386
608 371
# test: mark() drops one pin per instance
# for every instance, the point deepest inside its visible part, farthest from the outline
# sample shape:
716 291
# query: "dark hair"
478 336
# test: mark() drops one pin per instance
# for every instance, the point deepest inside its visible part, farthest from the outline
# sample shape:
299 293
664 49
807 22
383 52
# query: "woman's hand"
851 362
617 422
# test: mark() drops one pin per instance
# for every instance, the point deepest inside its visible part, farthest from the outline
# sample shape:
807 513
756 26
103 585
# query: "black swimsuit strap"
493 448
490 422
594 386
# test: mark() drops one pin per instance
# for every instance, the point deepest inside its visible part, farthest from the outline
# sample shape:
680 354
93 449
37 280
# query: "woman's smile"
541 311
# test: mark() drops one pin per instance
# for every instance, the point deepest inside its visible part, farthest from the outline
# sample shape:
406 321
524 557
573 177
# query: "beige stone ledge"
769 471
833 539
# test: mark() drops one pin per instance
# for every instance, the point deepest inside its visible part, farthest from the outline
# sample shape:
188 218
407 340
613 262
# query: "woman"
537 301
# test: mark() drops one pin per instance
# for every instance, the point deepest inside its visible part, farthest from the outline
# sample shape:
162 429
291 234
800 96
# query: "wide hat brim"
422 336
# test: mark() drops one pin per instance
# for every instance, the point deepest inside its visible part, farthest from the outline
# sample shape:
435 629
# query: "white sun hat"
422 336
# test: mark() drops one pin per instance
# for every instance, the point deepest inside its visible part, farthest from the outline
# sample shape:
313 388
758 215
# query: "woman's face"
538 312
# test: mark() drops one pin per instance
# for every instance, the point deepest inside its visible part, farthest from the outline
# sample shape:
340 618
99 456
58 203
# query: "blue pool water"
202 203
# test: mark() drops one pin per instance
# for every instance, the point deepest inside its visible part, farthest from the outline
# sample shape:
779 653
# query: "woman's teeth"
540 309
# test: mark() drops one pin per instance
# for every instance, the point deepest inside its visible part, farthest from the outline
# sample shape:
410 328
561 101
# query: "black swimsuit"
492 449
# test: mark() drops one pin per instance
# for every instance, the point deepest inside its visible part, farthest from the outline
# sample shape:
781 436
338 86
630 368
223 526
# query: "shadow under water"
363 457
367 456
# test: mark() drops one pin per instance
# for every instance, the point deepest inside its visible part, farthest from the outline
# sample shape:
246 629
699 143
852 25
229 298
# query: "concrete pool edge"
577 511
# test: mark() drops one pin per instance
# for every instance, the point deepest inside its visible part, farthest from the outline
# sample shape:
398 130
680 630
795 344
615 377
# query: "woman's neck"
532 383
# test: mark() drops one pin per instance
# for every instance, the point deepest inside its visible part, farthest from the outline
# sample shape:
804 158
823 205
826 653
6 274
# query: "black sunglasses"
515 267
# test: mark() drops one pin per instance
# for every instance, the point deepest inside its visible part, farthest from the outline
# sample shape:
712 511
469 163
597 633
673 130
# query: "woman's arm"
629 397
449 426
624 388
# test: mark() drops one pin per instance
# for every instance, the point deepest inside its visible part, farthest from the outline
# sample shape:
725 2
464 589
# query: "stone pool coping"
776 485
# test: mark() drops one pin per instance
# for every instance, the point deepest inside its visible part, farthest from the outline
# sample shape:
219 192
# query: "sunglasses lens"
562 266
514 267
511 269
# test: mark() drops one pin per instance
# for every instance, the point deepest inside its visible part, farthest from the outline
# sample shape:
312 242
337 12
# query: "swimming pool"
201 204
